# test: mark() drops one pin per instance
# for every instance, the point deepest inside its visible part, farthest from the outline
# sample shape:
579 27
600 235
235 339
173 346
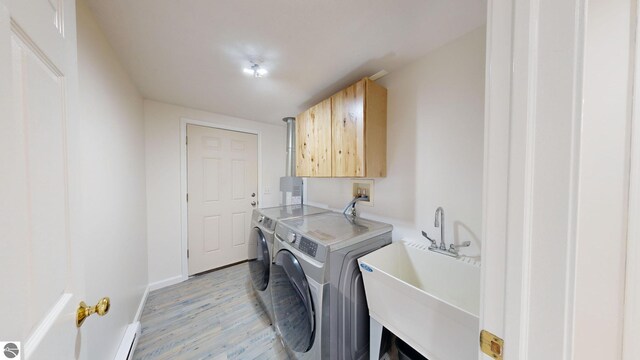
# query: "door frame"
184 217
631 326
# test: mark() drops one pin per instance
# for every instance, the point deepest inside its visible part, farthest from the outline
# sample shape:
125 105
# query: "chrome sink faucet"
442 249
439 222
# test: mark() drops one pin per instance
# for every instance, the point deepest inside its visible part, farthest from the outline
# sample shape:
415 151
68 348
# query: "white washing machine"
263 224
317 291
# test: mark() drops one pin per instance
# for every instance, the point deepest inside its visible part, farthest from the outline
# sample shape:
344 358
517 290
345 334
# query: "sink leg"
375 337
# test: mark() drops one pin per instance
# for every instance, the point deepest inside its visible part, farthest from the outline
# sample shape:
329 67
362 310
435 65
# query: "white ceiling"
191 52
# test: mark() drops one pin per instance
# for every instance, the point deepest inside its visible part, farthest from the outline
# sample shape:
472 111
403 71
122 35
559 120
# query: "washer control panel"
297 240
307 246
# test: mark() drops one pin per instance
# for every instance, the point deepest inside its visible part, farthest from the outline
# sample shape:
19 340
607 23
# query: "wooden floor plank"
211 316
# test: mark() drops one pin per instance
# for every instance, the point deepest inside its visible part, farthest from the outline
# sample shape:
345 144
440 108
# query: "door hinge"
187 253
187 197
491 345
187 141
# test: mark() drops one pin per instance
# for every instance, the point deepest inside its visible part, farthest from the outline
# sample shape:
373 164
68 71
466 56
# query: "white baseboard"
129 342
132 333
166 282
143 301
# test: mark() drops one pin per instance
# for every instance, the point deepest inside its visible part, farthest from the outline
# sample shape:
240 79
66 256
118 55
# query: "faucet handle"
433 242
464 244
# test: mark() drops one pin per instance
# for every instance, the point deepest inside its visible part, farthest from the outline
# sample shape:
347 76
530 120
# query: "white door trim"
631 332
497 114
183 179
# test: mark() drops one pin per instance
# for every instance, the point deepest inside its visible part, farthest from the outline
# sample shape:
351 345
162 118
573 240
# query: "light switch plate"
363 186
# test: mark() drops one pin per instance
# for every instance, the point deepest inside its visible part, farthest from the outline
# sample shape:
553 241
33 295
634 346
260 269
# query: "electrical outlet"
363 188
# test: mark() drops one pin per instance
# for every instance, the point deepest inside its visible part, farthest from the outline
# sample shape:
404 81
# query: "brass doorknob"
84 311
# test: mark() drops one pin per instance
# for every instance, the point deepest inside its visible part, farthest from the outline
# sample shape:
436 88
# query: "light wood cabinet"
345 135
313 141
359 131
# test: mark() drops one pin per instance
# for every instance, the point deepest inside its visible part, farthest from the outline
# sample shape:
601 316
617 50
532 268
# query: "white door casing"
222 192
631 345
40 249
556 171
603 192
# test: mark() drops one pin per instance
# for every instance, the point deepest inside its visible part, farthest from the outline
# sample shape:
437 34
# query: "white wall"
434 146
162 122
113 186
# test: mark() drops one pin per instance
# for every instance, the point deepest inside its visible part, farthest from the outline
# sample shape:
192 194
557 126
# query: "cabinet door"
347 115
375 131
313 141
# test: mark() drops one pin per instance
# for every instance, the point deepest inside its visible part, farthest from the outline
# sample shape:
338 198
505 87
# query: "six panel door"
222 183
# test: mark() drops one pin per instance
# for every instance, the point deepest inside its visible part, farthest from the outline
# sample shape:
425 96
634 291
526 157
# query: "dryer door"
292 303
260 263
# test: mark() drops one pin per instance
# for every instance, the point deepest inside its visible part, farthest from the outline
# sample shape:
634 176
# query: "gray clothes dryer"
317 291
260 255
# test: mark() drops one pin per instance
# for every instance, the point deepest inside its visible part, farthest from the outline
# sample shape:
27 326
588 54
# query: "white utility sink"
429 300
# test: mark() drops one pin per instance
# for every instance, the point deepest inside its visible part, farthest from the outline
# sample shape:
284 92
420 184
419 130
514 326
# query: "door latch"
491 345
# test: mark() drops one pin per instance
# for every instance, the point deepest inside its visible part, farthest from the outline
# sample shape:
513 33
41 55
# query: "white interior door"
40 267
222 183
556 177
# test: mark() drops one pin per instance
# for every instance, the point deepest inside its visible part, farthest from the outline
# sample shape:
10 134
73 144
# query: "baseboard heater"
129 342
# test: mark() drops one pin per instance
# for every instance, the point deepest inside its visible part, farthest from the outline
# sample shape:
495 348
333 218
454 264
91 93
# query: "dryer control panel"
268 223
264 222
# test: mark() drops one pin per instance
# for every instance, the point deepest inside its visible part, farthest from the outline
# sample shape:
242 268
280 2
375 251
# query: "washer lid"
289 211
333 229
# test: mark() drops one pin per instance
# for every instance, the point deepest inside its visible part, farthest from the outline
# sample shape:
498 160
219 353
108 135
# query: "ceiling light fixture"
255 70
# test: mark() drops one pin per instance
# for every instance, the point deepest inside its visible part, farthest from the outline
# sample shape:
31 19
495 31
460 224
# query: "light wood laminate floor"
210 316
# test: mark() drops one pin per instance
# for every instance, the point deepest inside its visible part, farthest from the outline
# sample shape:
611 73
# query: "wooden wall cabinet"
313 141
359 131
345 135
